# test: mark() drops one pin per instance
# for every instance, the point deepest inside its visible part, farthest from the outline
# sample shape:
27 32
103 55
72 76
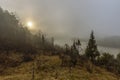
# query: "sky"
69 18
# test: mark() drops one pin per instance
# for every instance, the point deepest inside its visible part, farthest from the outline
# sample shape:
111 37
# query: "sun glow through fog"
30 24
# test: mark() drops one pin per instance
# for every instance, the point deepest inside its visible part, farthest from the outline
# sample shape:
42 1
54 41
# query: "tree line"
15 36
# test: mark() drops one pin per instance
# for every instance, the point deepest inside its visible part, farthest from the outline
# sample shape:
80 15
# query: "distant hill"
113 41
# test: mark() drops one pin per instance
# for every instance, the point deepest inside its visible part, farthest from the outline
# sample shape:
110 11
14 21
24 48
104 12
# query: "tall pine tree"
91 51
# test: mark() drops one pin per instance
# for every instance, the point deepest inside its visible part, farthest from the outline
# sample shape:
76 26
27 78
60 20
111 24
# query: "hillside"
48 68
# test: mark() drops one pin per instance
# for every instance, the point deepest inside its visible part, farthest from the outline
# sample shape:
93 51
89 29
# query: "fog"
65 19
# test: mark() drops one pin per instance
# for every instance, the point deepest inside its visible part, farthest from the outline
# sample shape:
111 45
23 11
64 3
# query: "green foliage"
108 62
91 51
106 59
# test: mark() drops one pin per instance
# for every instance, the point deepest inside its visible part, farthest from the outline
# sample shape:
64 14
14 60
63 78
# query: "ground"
49 68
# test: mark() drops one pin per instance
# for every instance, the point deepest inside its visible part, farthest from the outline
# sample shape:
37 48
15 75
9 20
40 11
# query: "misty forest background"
19 45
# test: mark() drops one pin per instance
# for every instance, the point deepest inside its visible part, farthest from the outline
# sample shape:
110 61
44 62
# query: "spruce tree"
91 51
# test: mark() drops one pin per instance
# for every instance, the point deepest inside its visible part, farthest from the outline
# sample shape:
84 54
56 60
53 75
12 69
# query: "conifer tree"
43 39
91 51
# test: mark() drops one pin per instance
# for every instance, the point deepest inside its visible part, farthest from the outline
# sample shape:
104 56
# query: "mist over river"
102 49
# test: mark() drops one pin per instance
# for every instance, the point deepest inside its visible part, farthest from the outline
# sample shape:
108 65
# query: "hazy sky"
68 18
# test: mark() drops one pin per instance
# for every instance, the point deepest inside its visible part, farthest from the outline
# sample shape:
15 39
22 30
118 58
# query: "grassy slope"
50 70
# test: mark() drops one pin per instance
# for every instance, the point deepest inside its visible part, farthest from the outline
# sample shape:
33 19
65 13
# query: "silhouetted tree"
91 51
43 39
52 41
75 52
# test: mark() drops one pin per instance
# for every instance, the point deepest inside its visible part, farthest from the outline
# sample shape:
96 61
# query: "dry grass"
48 68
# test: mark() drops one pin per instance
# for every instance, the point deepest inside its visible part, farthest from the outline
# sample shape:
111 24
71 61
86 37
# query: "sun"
30 24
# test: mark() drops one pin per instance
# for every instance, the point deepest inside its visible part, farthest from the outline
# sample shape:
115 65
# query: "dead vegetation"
49 68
